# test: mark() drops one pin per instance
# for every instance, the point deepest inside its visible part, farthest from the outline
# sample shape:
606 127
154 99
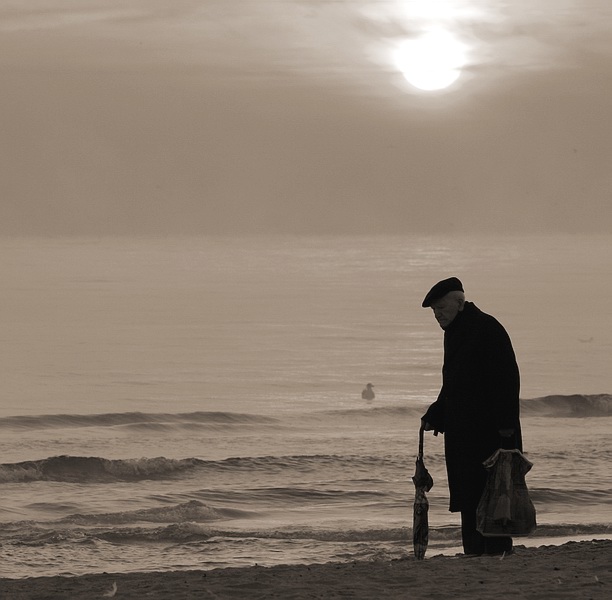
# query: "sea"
194 402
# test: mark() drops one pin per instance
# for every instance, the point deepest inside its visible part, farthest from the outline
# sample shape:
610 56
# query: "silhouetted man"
478 406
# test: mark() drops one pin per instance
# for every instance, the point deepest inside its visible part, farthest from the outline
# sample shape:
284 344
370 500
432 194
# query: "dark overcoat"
479 396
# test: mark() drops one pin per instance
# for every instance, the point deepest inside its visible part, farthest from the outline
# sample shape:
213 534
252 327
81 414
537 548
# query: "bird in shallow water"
368 392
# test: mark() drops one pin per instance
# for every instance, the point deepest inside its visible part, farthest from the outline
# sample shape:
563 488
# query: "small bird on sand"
111 593
368 392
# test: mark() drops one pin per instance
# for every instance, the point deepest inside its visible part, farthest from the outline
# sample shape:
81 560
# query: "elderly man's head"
445 309
446 299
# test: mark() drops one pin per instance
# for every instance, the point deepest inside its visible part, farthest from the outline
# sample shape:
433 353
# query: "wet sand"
572 570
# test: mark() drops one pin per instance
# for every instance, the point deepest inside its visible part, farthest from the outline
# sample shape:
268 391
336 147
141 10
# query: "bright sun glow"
432 61
431 9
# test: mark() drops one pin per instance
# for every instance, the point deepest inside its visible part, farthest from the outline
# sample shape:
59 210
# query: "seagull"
111 593
368 392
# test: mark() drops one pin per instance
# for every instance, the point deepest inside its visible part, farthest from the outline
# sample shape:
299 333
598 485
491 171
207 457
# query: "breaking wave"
192 511
93 469
84 469
201 529
574 405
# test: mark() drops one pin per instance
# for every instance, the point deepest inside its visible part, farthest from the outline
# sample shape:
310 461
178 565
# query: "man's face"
445 310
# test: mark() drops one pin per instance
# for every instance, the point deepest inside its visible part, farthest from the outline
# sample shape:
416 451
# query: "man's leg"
473 540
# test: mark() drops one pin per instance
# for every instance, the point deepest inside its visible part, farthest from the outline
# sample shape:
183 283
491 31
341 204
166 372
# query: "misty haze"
218 222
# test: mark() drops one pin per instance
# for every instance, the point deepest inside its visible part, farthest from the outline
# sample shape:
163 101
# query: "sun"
431 62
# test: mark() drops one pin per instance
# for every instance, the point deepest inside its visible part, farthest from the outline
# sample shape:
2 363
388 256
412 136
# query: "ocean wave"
193 532
395 412
571 497
92 469
557 405
137 420
309 463
192 511
574 405
570 530
34 535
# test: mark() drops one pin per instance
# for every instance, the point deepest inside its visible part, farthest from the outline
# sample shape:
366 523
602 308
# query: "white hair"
458 296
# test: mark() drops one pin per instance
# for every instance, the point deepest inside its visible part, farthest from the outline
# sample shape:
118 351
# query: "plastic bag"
505 508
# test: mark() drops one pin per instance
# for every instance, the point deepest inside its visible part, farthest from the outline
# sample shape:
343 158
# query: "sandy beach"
572 570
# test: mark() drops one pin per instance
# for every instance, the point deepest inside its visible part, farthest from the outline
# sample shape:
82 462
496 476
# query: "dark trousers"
476 543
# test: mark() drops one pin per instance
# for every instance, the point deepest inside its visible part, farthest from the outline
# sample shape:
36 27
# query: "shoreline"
531 541
575 569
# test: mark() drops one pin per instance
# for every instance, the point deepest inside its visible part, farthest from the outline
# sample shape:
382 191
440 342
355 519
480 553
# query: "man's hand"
428 427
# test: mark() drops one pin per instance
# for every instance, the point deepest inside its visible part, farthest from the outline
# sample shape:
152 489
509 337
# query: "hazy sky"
153 116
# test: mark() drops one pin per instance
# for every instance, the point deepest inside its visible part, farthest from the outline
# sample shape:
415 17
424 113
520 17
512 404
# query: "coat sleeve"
435 413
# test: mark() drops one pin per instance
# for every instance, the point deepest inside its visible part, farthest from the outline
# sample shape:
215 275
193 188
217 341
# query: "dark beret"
452 284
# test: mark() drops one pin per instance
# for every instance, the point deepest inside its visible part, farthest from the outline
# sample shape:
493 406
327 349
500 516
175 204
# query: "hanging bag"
505 508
